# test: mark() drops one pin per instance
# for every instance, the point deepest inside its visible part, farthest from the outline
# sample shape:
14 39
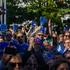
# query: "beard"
20 41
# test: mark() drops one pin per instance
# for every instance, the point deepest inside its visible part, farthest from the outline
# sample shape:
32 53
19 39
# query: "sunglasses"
67 35
40 35
14 64
20 37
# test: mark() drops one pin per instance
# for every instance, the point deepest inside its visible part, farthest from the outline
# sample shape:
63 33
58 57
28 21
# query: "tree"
14 12
49 8
34 9
42 7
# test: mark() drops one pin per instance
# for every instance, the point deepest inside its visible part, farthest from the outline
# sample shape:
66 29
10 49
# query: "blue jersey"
21 47
3 45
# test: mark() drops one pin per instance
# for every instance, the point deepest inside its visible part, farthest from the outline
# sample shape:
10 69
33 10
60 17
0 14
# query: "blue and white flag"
32 27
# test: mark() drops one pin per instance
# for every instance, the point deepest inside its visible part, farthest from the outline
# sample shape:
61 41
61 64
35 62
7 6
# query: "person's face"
23 29
61 38
40 35
16 62
63 66
8 36
67 43
45 43
6 57
1 39
54 36
19 37
66 35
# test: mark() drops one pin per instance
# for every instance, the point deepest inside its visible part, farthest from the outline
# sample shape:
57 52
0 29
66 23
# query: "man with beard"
20 44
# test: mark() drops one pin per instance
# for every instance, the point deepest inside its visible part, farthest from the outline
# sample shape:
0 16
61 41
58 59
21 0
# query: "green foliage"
35 9
14 13
50 10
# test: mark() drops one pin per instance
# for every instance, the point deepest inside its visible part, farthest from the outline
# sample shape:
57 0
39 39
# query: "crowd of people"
23 50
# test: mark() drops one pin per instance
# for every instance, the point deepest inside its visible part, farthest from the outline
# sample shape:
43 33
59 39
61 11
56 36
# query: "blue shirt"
2 65
21 47
2 46
60 48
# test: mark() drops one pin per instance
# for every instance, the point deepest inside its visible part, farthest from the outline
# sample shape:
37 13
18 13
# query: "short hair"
57 63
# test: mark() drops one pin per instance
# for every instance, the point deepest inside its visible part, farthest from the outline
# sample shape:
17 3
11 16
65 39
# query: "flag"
3 27
43 30
33 24
15 27
43 20
31 29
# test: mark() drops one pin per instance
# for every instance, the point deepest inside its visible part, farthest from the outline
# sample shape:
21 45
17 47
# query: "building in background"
2 11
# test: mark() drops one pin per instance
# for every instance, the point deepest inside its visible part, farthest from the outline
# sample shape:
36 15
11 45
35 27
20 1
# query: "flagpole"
4 11
1 10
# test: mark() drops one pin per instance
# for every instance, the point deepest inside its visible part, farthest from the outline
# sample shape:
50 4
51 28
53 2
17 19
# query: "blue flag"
15 27
33 24
3 27
43 29
43 20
